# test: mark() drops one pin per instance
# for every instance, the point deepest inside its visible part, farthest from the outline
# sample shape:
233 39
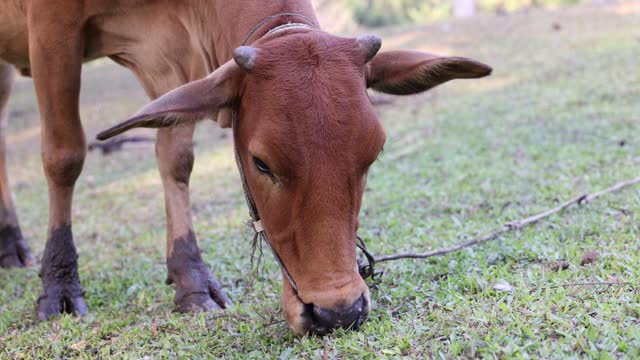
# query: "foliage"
559 116
375 13
512 5
386 12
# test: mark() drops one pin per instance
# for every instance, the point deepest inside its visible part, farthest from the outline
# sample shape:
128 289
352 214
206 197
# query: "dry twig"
514 225
116 144
596 283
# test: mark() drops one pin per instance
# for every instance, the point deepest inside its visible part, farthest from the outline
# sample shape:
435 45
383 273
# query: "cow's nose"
323 320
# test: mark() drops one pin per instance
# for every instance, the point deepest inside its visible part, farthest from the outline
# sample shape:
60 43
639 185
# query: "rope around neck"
267 19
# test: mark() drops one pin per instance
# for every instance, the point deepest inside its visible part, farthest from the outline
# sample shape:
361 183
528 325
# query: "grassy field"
560 116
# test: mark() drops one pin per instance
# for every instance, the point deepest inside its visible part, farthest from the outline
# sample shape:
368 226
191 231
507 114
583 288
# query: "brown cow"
305 132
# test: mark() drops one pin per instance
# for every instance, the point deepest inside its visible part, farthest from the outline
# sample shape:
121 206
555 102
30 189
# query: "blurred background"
348 14
559 116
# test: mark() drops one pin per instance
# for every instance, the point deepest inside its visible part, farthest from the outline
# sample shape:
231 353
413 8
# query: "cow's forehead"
307 51
307 97
310 72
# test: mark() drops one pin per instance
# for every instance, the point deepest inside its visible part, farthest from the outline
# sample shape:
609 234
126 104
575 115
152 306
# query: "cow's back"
155 39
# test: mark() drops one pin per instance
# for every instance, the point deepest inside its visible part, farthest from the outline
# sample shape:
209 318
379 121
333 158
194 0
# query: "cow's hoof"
209 296
58 300
14 251
195 303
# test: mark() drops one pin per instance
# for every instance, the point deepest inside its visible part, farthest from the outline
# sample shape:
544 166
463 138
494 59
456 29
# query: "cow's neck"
168 46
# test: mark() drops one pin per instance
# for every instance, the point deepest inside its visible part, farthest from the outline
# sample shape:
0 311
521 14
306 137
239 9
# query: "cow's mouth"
324 321
310 319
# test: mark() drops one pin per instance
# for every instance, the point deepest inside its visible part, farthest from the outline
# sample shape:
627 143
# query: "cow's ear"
187 104
411 72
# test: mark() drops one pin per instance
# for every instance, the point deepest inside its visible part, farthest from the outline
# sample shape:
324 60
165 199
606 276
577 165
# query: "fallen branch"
116 144
597 283
511 226
619 186
443 251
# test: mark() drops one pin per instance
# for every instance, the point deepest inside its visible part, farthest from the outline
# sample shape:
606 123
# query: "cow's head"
307 135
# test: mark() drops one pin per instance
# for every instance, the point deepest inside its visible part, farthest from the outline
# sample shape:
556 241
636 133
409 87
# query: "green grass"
459 162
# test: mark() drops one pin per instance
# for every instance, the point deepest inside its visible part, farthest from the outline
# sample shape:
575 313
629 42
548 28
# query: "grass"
560 116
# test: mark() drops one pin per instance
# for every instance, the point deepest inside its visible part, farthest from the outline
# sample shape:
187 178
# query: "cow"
304 130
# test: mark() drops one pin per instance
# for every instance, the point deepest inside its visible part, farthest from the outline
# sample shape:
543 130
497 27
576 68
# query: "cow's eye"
262 166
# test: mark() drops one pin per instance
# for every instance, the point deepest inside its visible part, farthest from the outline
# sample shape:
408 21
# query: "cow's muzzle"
322 321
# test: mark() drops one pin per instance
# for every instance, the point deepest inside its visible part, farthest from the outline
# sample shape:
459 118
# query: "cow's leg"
196 288
14 251
55 44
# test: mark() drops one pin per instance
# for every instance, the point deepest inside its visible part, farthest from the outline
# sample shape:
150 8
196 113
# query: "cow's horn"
370 44
245 57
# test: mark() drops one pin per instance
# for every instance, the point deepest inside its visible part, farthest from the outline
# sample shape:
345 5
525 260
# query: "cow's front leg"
55 47
196 288
14 251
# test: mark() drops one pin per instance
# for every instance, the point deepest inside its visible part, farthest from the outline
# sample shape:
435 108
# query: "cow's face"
307 135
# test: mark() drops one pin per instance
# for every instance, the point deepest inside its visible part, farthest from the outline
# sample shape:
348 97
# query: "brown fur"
303 110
